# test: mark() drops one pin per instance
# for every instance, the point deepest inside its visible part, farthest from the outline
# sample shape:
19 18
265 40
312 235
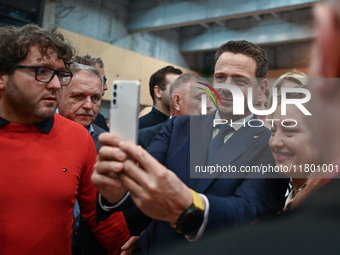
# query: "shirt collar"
161 114
91 130
3 122
44 126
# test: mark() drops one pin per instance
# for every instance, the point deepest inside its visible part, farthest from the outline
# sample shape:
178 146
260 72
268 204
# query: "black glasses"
46 74
104 79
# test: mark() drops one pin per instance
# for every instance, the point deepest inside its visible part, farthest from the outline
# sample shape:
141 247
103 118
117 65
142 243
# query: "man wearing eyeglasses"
46 160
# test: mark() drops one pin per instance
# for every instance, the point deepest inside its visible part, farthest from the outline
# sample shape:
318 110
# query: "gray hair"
76 68
183 80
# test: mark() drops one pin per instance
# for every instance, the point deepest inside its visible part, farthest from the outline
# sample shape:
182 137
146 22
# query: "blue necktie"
217 142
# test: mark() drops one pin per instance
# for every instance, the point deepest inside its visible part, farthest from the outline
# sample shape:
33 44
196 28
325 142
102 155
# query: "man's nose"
54 83
87 103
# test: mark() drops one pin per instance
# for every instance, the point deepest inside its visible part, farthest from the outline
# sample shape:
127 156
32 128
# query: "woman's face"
293 146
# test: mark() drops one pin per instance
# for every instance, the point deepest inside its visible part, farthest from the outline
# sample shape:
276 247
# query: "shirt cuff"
109 208
194 238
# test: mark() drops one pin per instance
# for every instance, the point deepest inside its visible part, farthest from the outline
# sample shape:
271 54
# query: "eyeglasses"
46 74
104 79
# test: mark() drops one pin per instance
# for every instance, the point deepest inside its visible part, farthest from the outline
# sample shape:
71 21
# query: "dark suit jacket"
146 135
152 118
312 228
233 201
101 122
95 134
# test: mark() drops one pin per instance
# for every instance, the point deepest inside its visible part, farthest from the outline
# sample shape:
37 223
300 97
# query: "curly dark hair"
15 44
249 49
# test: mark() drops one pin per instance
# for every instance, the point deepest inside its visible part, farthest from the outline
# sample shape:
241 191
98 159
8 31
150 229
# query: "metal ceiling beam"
257 17
220 23
275 15
205 25
151 15
265 33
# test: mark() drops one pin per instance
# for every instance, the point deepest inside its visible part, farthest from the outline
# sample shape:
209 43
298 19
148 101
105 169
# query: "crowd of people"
71 187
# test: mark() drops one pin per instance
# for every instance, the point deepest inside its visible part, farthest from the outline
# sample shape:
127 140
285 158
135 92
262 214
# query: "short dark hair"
248 49
99 61
88 60
84 60
158 78
15 44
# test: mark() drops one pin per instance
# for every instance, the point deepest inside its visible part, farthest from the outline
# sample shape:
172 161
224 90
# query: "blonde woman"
293 147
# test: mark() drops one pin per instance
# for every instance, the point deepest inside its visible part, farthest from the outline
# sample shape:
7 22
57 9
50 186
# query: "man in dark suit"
159 85
197 201
313 227
184 99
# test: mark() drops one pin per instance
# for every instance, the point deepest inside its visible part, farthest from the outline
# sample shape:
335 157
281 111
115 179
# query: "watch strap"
197 204
197 201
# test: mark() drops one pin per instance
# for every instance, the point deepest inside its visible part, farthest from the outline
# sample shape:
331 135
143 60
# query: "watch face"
192 221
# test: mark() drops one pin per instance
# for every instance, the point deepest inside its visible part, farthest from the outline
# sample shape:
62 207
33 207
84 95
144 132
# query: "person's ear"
262 88
158 92
175 100
328 48
3 81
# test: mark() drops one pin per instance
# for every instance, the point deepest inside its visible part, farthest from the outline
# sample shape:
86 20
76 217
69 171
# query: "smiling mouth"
226 99
285 154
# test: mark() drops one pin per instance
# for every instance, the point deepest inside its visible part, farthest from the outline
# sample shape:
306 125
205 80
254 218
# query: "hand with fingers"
130 246
155 190
104 175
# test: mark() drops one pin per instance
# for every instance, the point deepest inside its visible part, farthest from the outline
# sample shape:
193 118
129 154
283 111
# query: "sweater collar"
44 126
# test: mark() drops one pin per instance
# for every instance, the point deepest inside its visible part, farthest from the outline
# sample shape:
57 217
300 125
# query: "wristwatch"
192 218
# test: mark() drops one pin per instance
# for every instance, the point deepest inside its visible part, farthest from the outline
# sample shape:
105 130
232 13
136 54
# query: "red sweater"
41 175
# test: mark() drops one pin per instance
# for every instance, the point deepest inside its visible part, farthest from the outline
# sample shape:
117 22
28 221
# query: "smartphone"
125 109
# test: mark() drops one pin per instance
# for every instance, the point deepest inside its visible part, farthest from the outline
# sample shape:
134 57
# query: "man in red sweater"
46 160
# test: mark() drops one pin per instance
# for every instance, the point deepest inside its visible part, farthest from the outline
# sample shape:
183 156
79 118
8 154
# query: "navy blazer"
146 135
233 201
95 135
101 122
152 118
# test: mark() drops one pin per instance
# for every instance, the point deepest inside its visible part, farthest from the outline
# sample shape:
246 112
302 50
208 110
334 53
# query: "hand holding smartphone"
125 109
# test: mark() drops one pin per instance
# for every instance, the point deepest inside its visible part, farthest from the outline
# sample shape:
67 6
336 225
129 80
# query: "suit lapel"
232 149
